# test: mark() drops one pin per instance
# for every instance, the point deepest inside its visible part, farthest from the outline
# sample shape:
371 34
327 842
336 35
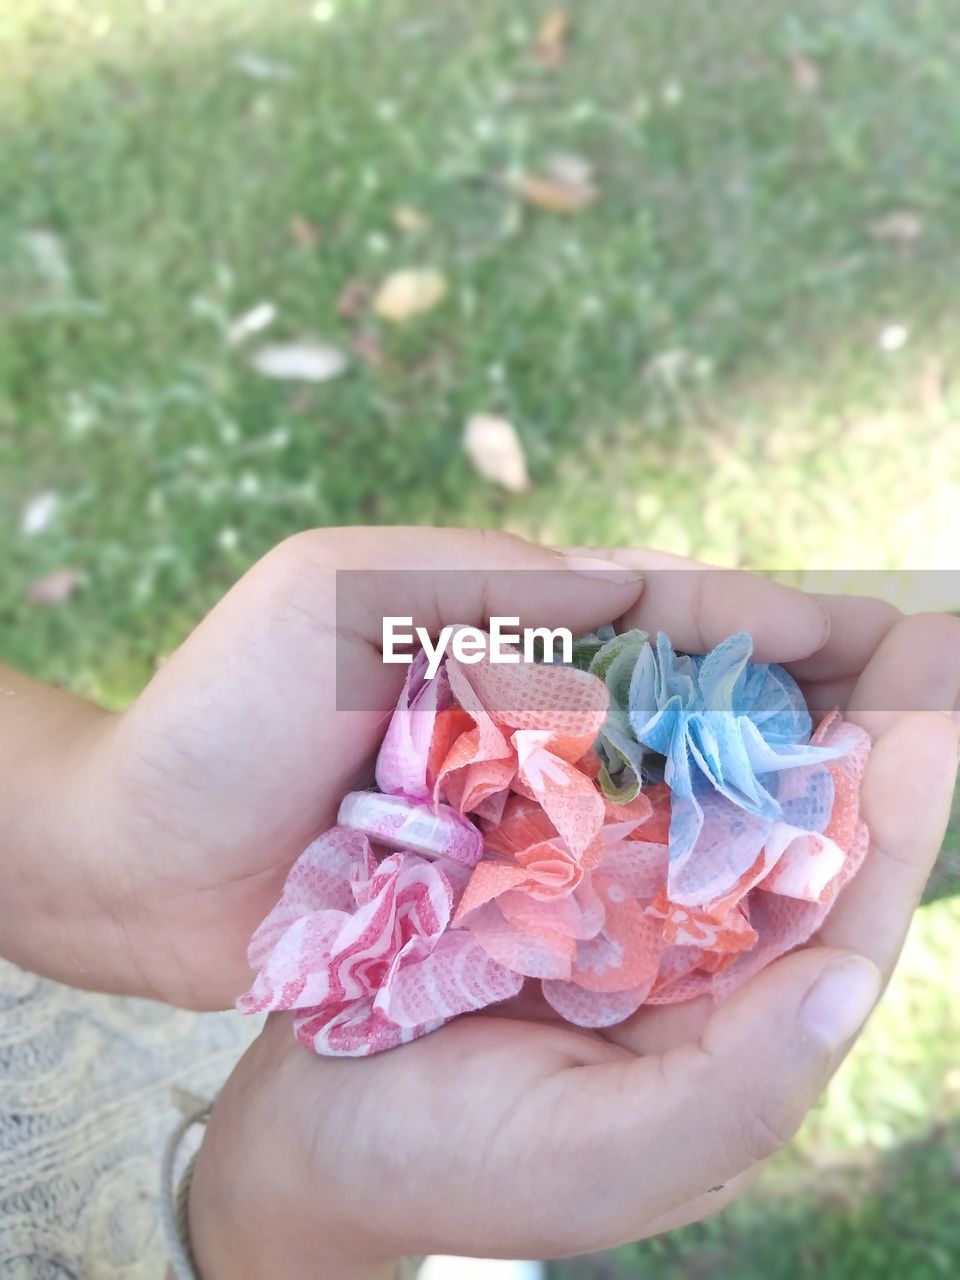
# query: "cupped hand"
509 1134
199 798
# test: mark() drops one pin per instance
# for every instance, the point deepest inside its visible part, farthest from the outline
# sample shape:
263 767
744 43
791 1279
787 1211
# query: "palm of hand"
530 1138
215 769
485 1136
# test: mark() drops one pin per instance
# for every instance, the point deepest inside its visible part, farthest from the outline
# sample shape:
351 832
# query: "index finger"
698 605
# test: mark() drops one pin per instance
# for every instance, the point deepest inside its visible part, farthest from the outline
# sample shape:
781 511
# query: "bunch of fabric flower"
640 827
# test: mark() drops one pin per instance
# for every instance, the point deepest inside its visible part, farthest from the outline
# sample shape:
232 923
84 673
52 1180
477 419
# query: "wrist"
58 914
265 1199
234 1236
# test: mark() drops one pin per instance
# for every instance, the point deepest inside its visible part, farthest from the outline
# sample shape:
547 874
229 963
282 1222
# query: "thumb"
771 1050
279 698
667 1129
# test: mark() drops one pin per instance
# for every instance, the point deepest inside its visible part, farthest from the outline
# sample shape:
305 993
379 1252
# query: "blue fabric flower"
725 730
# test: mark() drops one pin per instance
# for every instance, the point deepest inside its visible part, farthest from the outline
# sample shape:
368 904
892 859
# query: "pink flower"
361 950
404 753
497 763
532 727
577 924
477 732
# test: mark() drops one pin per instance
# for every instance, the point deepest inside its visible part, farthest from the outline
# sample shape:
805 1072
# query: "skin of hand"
504 1133
144 848
510 1134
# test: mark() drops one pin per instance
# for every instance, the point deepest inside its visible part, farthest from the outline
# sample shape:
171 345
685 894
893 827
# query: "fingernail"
608 570
840 1001
826 626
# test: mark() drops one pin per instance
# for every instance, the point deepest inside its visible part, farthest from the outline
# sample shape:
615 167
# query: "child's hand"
143 849
236 757
508 1134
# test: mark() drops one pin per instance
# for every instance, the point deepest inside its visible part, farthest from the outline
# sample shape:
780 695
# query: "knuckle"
493 548
878 617
296 552
887 614
502 539
765 1126
295 577
752 1124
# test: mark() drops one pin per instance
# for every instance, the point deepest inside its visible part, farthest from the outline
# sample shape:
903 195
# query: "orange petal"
488 881
448 726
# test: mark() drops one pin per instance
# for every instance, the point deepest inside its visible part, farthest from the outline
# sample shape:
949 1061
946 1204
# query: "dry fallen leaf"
494 448
250 322
805 73
38 512
900 227
550 42
299 361
667 367
893 337
304 232
54 588
48 257
406 218
258 67
353 300
554 195
409 293
570 169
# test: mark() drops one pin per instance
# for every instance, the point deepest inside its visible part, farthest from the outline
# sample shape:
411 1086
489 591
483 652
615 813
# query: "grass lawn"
744 347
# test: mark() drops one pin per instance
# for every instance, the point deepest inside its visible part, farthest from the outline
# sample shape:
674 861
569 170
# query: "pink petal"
458 976
728 845
593 1008
524 953
333 956
626 952
402 759
571 704
806 865
570 916
321 879
639 867
353 1031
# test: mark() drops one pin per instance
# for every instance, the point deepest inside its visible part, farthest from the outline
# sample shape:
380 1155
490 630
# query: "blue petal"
677 675
722 670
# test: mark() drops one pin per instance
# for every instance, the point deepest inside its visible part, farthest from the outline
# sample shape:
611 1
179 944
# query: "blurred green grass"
693 361
720 356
